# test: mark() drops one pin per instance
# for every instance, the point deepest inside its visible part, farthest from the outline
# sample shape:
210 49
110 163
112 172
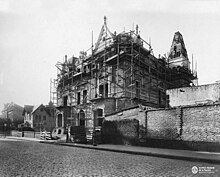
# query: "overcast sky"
35 34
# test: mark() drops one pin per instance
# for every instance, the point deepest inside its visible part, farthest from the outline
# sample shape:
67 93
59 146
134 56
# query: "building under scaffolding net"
121 72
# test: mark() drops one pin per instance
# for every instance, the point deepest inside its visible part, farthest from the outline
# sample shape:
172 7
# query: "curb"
20 139
194 159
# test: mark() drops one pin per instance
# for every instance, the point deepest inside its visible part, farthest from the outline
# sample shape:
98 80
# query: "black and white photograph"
109 88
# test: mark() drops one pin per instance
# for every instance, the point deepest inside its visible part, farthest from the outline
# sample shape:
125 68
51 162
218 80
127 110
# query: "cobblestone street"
23 158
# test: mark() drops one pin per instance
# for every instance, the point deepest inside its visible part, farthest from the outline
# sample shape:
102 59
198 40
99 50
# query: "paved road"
23 158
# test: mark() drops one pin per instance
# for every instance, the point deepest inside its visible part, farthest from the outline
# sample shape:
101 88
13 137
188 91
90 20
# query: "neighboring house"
27 115
40 117
13 112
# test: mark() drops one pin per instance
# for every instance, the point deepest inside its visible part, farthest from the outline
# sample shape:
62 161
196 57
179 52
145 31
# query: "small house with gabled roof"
39 117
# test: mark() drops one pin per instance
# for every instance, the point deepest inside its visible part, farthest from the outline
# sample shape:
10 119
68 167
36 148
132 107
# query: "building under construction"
120 72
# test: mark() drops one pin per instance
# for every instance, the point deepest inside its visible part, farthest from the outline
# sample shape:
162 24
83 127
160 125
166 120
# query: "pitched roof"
28 108
35 108
44 107
104 39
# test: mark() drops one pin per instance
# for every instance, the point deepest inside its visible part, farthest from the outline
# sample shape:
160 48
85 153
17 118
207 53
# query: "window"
65 98
99 112
39 118
78 98
59 131
44 118
84 96
137 84
106 90
81 118
85 69
159 97
100 117
36 117
101 90
60 119
100 120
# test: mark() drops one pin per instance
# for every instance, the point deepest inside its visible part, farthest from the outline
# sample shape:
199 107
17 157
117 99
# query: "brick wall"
124 131
163 124
201 123
191 123
132 113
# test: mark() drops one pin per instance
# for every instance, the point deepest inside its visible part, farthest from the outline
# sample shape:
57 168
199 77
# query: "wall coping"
186 106
125 109
204 85
161 109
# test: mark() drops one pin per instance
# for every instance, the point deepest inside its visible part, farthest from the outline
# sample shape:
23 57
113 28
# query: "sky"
36 34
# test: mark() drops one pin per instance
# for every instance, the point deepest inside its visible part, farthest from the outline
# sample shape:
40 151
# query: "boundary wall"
196 126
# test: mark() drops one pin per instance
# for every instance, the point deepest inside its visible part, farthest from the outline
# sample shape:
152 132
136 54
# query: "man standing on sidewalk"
68 135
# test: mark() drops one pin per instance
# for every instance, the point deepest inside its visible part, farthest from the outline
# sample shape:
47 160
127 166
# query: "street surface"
27 158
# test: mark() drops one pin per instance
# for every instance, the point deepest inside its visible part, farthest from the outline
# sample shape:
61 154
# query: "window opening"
137 84
106 90
84 96
81 118
78 98
65 98
101 90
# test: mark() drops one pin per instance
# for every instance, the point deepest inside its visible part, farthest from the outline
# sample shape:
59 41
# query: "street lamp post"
94 143
5 128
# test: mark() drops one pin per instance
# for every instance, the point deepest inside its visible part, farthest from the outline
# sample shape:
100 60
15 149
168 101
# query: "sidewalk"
209 157
19 138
